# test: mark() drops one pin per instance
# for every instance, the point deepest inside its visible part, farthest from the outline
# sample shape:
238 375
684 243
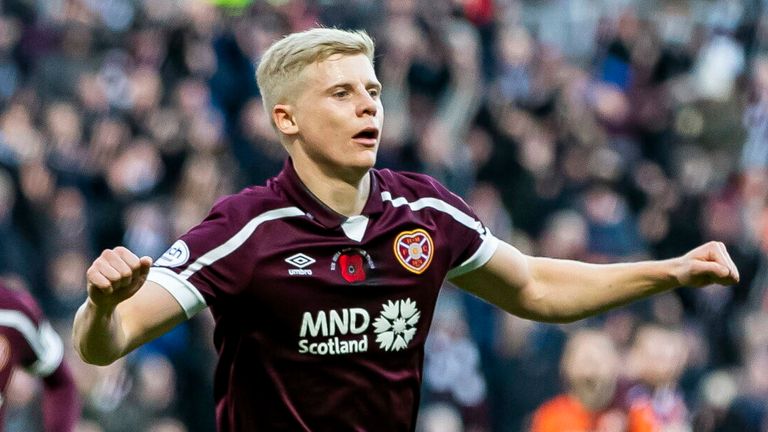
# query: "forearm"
561 290
97 334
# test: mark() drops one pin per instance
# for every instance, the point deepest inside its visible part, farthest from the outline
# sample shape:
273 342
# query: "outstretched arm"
123 309
555 290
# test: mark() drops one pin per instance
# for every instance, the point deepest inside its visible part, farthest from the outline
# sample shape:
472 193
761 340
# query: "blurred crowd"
588 129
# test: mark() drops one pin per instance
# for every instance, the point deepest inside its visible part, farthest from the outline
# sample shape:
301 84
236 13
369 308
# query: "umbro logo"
300 261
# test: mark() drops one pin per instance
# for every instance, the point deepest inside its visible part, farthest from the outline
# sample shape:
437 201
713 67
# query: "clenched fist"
707 264
115 276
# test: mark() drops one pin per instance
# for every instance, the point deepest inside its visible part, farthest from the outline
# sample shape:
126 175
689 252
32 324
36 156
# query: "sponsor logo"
300 261
340 332
396 325
352 264
343 331
413 249
176 255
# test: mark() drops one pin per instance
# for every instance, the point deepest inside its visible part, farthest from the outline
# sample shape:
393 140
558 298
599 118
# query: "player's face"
339 113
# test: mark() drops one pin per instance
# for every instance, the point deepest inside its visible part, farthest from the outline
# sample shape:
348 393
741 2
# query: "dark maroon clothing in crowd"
27 340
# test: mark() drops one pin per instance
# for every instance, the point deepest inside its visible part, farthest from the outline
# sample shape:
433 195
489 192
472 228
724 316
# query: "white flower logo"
397 324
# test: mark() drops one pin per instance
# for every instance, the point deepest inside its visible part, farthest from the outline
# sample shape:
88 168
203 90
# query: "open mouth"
367 134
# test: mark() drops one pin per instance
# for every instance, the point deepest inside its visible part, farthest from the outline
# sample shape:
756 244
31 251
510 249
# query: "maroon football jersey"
321 319
26 339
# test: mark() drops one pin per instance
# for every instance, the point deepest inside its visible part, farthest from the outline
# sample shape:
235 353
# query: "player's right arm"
123 309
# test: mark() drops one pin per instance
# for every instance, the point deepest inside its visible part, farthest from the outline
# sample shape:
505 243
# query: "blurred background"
589 129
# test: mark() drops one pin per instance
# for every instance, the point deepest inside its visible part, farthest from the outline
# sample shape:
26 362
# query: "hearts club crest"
414 250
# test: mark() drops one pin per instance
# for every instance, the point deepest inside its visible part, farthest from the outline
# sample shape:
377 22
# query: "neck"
345 194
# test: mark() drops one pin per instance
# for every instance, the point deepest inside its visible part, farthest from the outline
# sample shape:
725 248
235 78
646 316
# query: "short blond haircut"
281 65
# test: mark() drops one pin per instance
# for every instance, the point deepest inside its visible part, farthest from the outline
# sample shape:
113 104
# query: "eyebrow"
348 85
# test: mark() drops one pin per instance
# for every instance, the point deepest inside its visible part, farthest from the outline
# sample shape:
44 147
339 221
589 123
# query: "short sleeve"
209 261
470 244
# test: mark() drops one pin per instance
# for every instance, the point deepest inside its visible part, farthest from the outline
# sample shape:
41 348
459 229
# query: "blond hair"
281 65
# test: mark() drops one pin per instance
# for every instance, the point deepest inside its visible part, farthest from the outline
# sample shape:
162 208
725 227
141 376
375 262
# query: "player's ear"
284 120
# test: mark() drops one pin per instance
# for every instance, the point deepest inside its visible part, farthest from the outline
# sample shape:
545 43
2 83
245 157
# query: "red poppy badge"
351 266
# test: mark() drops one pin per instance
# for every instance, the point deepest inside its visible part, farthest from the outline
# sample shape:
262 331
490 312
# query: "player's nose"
367 105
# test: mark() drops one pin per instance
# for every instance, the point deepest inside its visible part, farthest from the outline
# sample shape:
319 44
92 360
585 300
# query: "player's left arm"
554 290
61 402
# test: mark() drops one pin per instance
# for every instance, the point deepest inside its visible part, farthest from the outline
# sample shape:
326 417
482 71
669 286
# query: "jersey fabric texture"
320 319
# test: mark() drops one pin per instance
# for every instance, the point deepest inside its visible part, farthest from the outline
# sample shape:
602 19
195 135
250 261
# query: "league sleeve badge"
176 255
414 250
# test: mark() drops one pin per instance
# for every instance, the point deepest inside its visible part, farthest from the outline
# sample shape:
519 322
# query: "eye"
341 94
374 92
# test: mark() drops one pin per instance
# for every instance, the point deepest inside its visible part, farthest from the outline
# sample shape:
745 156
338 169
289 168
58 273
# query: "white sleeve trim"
182 290
44 341
52 354
479 258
